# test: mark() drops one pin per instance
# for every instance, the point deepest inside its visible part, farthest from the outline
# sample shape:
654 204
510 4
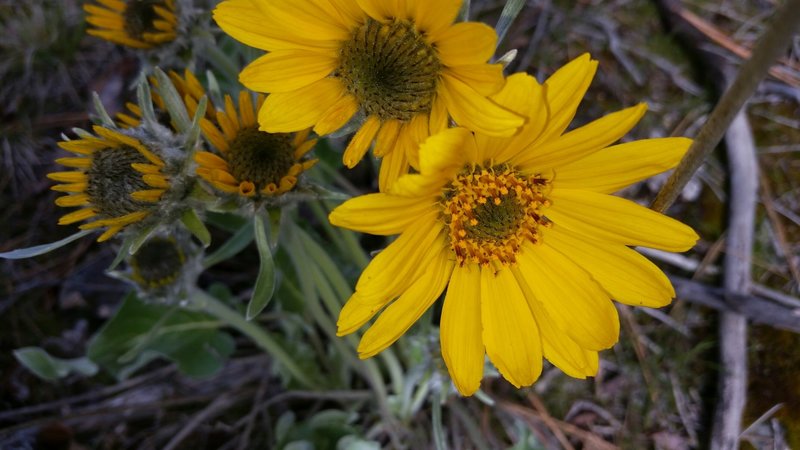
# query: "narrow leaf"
265 283
50 368
510 12
231 247
102 114
141 237
192 222
37 250
173 102
145 99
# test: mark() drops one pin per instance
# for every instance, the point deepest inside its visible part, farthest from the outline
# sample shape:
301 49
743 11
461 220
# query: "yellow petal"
68 177
395 164
360 142
523 95
156 181
510 333
287 70
486 79
246 111
577 304
629 277
614 219
78 163
77 216
213 135
149 195
476 112
245 21
285 112
72 200
406 310
581 142
446 153
460 330
312 18
565 90
381 214
616 167
337 115
210 160
466 43
382 10
432 18
396 266
387 137
558 348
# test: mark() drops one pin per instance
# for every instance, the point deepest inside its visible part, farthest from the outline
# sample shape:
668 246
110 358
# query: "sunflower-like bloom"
523 233
117 181
404 66
134 23
251 162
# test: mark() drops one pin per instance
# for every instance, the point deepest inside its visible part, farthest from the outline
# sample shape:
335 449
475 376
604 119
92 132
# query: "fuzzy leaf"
37 250
265 283
50 368
141 332
192 222
231 247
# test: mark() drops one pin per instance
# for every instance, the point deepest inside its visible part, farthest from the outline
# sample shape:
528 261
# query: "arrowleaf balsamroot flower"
139 24
523 233
251 162
117 181
404 66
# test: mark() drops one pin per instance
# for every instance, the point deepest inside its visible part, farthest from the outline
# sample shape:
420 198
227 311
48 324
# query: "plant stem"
767 49
259 336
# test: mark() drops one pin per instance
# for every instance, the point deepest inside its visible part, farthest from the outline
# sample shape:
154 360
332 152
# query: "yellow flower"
524 234
158 263
403 65
134 23
117 180
251 162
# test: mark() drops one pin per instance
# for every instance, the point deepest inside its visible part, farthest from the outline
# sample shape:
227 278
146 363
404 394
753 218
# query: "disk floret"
390 69
491 211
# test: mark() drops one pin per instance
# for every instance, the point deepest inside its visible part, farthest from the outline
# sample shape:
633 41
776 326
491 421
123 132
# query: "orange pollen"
491 212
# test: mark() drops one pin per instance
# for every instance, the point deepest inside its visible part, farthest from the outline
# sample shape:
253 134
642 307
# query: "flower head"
139 24
523 233
404 67
251 163
117 182
165 268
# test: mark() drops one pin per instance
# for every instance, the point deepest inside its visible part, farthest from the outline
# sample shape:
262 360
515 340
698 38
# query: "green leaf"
141 236
265 283
172 102
231 247
192 222
145 99
507 16
194 130
102 114
124 250
50 368
351 442
141 332
37 250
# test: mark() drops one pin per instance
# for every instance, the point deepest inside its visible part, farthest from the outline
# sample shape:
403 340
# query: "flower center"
139 16
260 158
111 180
390 69
491 212
158 262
